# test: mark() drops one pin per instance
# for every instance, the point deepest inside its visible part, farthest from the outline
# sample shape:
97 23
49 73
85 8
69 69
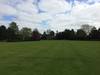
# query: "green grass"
50 58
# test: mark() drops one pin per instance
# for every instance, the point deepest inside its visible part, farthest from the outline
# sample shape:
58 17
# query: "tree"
44 36
80 34
11 36
50 34
99 29
72 35
87 28
12 32
26 33
99 33
36 35
59 36
2 32
94 34
14 27
67 34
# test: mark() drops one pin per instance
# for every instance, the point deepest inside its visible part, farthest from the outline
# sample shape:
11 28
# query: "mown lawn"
50 58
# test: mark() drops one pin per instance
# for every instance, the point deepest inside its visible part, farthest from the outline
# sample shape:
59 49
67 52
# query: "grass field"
50 58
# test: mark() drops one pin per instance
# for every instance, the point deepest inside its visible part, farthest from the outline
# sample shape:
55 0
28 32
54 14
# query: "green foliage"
12 33
11 36
26 33
50 34
14 27
44 36
2 32
81 35
36 35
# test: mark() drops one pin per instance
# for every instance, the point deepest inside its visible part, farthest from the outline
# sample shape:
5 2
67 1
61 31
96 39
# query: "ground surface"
50 58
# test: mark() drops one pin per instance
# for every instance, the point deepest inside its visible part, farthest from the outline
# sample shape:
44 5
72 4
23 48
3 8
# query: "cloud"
81 13
50 14
54 6
86 13
27 7
7 10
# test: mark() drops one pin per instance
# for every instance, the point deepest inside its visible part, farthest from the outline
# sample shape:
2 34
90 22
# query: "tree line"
12 33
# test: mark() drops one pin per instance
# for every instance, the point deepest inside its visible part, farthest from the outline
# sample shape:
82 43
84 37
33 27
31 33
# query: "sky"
50 14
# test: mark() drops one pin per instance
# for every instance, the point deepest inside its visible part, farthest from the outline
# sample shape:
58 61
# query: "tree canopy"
12 33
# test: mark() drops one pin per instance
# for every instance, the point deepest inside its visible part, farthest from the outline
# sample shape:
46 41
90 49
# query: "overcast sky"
50 14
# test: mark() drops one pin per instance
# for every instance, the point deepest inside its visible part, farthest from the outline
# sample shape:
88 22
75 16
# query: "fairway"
50 58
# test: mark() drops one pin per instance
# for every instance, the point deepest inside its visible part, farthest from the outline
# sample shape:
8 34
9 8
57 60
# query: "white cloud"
7 10
3 1
54 6
86 13
27 7
59 13
81 13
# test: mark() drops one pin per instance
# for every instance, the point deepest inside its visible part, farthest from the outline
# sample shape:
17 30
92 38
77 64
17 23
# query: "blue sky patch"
8 18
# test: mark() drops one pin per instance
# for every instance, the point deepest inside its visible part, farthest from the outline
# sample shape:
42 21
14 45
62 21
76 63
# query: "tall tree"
94 34
14 27
67 34
50 34
99 33
59 36
11 36
81 35
36 35
44 36
26 33
72 34
2 32
87 28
